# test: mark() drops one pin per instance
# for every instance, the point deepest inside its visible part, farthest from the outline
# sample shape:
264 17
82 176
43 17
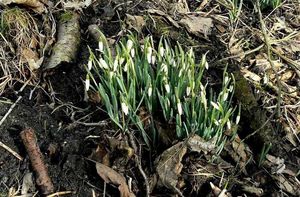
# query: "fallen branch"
36 158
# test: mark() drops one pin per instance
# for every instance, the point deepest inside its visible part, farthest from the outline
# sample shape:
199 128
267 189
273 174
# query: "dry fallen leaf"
136 22
198 144
35 5
111 176
197 25
169 166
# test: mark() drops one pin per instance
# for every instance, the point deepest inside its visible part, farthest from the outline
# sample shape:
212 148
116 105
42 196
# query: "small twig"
11 151
138 162
36 158
10 110
61 193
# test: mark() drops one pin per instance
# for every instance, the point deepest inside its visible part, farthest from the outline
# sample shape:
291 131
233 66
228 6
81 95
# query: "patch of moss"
66 16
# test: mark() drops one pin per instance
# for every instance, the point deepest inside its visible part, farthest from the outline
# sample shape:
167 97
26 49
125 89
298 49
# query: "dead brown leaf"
197 25
110 176
35 5
169 166
135 22
198 144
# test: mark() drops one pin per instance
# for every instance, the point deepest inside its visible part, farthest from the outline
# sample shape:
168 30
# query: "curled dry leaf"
35 5
111 176
135 22
197 25
169 166
198 144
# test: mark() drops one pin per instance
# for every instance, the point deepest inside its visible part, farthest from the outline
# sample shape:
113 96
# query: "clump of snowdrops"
164 81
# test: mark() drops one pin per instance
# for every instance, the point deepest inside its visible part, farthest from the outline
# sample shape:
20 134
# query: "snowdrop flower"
167 87
124 108
149 54
87 83
132 52
215 105
188 91
172 62
111 74
225 96
103 63
230 88
206 65
164 68
226 79
100 46
126 67
121 60
153 59
228 123
237 119
179 107
90 64
217 122
150 91
161 51
129 45
116 63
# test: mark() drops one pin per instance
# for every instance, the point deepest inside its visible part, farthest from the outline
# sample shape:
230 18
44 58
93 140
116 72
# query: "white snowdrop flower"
202 87
228 123
111 74
116 63
149 54
217 122
142 48
161 51
180 73
215 105
150 91
90 64
188 91
103 64
225 96
167 87
206 65
121 60
129 45
132 52
153 59
226 79
179 107
172 62
100 46
126 67
230 88
164 68
124 108
87 83
237 119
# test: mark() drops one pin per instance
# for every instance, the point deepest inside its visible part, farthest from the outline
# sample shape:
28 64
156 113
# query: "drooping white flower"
179 107
90 64
100 46
150 91
215 105
116 63
126 67
206 65
237 119
167 87
153 59
164 68
226 79
121 60
161 51
228 123
225 96
149 54
87 83
124 108
103 63
129 45
132 52
230 88
188 91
